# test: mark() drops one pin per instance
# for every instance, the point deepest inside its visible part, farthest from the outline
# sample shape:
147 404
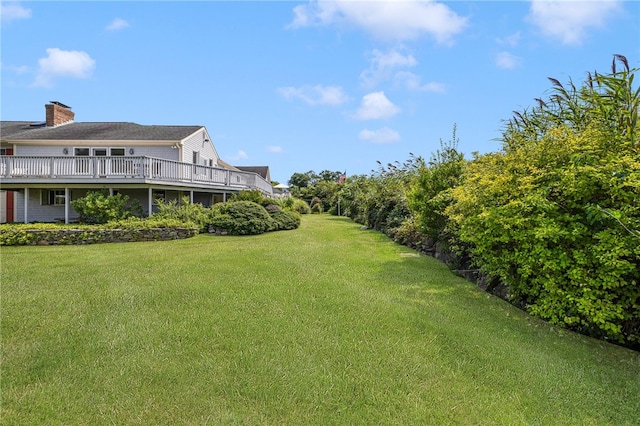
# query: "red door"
9 201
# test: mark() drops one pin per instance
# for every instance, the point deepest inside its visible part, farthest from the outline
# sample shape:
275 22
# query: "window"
196 157
82 164
52 197
117 152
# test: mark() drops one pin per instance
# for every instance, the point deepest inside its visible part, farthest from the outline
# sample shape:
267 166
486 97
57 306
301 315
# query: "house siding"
196 143
39 212
165 152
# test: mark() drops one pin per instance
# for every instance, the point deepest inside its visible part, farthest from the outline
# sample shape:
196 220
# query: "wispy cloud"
376 106
240 155
315 95
274 149
510 40
118 24
507 60
413 82
16 69
13 11
380 136
63 63
383 64
389 20
568 21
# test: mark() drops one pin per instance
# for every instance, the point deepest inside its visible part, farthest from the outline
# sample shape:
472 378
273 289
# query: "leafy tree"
329 176
302 180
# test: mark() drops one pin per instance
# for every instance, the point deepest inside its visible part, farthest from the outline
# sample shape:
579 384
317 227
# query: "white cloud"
380 136
21 69
383 64
568 21
12 11
63 63
240 155
389 20
376 106
507 61
315 95
117 24
413 82
510 40
274 149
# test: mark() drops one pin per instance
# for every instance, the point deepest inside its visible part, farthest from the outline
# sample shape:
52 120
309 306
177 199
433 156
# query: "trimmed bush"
285 220
240 218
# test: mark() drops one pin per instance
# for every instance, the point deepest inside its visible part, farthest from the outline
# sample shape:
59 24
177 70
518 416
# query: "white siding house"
45 165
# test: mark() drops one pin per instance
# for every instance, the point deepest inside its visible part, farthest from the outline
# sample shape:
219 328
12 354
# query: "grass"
327 324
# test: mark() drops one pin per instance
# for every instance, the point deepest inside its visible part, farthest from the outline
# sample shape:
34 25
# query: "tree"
302 180
329 176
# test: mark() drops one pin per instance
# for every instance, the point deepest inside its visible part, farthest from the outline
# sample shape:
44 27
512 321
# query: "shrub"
240 218
317 208
300 206
431 193
183 211
285 220
253 195
555 215
100 207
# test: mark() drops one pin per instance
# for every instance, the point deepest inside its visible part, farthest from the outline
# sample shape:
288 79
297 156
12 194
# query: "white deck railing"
147 168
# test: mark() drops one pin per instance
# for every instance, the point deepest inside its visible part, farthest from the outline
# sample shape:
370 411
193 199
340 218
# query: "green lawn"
327 324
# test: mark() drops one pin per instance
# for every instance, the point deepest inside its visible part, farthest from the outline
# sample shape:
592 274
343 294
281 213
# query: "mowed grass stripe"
327 324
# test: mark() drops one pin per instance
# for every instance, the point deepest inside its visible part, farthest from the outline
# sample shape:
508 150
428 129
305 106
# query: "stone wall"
35 237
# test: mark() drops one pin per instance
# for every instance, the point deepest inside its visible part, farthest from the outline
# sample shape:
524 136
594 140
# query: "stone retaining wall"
39 237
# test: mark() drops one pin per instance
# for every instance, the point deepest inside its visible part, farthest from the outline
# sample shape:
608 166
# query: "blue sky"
304 86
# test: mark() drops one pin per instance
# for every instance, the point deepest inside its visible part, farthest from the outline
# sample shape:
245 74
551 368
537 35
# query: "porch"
142 178
107 170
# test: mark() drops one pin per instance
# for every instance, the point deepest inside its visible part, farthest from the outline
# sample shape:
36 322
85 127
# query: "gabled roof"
226 165
110 131
261 170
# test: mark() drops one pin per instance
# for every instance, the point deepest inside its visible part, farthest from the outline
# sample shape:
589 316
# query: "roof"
112 131
226 165
261 170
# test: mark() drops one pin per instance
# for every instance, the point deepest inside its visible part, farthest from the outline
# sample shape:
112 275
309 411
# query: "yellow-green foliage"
556 220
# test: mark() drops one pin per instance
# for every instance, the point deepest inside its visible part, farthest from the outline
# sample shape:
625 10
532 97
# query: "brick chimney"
58 113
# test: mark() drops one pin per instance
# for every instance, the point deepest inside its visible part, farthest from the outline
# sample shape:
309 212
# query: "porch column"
150 201
26 205
67 202
111 192
191 197
224 197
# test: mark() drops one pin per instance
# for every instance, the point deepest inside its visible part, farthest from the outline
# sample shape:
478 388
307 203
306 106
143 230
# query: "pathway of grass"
326 324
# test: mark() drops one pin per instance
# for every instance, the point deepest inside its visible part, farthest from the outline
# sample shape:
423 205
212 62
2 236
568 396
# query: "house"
45 165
